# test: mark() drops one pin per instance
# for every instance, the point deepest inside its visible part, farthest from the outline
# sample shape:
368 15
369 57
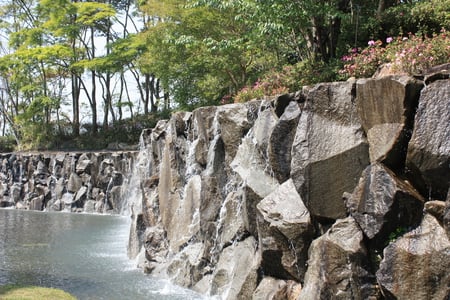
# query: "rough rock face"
429 147
329 150
382 202
386 107
274 289
338 266
232 196
285 232
416 265
68 181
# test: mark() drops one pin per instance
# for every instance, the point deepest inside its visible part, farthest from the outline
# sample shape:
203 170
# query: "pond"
83 254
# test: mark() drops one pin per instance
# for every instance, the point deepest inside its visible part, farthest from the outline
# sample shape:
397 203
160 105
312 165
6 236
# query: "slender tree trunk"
147 92
93 101
75 105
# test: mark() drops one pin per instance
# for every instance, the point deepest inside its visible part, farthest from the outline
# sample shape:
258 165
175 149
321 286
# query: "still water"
82 254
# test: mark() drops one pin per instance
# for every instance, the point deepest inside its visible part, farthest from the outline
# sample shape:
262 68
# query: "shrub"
7 143
289 79
412 54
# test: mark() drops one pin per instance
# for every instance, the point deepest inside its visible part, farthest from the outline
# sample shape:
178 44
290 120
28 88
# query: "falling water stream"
83 254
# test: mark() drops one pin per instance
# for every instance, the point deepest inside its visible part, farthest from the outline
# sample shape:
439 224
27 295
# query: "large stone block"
386 107
429 147
285 232
338 265
329 151
381 203
416 265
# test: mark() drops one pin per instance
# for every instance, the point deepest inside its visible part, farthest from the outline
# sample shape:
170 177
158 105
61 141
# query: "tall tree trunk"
147 92
93 101
75 105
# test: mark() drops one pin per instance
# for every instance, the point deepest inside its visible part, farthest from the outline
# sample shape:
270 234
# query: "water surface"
82 254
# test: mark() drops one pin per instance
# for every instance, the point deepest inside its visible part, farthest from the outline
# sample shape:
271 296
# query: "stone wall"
335 192
65 181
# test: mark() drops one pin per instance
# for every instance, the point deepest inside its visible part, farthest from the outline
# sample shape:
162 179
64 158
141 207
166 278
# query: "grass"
16 292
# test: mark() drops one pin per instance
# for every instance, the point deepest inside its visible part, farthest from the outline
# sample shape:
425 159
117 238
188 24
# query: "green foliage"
289 79
196 51
412 55
398 232
14 292
7 143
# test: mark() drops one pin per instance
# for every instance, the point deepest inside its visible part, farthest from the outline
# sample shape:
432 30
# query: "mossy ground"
16 292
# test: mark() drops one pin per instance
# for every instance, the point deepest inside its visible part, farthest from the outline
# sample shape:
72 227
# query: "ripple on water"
79 253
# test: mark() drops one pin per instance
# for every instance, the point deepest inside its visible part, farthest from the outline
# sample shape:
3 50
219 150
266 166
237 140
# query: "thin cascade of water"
131 191
73 163
217 244
108 190
294 253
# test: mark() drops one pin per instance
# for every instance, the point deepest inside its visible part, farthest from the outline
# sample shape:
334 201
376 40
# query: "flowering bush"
289 78
273 83
412 54
363 63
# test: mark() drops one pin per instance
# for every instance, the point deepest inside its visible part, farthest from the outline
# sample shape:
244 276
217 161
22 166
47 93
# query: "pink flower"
371 43
389 40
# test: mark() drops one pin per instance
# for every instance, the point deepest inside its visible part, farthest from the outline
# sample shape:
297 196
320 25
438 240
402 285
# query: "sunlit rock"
74 183
386 107
382 202
429 148
275 289
415 266
338 265
329 151
285 232
235 276
251 167
280 142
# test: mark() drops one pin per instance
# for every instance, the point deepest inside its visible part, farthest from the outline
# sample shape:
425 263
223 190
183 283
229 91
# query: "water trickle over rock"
256 200
67 181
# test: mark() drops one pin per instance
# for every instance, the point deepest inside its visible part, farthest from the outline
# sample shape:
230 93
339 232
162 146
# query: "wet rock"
235 276
435 208
37 203
382 202
263 128
16 192
386 107
60 188
285 232
52 175
416 265
337 265
67 199
251 166
429 148
74 183
329 151
275 289
155 245
233 122
89 206
281 140
446 217
80 196
54 205
83 165
185 268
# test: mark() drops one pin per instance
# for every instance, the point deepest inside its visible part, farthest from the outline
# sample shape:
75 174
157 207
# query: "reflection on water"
79 253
